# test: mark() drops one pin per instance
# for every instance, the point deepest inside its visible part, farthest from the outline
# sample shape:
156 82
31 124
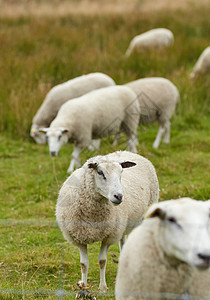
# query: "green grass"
36 54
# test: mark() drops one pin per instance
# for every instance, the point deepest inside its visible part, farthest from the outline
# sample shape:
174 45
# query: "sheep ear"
92 166
127 164
154 211
65 130
43 130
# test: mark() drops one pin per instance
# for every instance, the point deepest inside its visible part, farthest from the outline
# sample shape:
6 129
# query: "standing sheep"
59 94
157 99
161 257
158 38
95 115
101 202
202 66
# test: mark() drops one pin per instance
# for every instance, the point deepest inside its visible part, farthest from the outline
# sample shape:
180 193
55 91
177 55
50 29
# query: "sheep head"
107 176
56 138
184 230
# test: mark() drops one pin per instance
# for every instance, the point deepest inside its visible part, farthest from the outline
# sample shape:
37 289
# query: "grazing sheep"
202 66
157 98
61 93
158 38
162 256
101 202
95 115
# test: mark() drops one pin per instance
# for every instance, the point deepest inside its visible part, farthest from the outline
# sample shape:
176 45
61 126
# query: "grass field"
38 52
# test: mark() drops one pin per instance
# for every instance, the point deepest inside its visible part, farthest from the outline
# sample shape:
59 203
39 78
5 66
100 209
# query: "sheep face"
107 179
39 138
56 138
184 230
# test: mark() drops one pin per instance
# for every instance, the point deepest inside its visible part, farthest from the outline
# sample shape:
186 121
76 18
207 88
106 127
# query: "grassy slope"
38 53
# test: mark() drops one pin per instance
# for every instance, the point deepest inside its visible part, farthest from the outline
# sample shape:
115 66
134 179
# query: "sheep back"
157 38
157 98
202 65
100 113
61 93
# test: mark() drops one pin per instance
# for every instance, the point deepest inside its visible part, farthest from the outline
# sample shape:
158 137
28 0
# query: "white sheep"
202 66
61 93
101 202
95 115
157 99
157 38
161 257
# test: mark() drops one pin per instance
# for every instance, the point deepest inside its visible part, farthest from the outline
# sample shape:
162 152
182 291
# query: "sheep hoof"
155 146
103 288
166 141
69 171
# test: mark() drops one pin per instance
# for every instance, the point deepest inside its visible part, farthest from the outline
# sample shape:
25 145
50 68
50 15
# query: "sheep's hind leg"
102 264
94 145
132 142
167 133
116 139
122 242
75 161
84 262
158 137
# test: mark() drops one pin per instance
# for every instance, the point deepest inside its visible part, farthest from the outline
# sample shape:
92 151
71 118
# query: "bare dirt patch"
14 8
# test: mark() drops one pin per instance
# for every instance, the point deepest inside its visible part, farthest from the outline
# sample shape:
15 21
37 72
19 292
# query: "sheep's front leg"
84 262
75 161
102 264
122 242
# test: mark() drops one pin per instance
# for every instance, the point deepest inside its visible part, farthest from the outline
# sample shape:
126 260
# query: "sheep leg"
102 258
94 145
75 161
132 143
116 139
122 242
158 137
84 262
167 133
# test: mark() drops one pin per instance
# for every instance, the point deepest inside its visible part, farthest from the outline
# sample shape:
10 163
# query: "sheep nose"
53 153
205 258
118 197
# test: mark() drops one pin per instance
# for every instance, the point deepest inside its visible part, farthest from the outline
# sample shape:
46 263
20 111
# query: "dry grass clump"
13 8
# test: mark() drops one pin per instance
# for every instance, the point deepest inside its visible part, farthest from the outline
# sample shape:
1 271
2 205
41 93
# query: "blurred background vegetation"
44 43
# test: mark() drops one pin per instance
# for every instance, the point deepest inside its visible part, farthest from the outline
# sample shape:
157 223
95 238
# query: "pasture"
39 51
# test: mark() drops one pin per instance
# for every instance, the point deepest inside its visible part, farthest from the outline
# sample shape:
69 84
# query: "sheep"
100 202
95 115
157 98
162 257
202 66
158 38
59 94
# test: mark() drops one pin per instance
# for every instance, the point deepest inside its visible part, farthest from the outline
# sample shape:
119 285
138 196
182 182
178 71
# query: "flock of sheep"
168 255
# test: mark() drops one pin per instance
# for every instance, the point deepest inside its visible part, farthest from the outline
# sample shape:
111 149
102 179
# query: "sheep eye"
59 137
172 220
101 173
